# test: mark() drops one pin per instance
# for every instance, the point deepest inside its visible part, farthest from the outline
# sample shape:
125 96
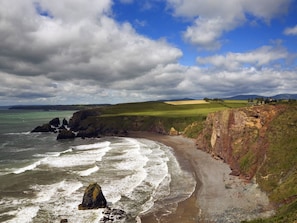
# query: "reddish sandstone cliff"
238 136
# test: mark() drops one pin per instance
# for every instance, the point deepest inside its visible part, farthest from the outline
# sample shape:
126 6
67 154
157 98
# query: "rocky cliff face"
238 136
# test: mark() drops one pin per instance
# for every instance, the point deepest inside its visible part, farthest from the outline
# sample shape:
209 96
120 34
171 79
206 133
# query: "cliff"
238 136
260 143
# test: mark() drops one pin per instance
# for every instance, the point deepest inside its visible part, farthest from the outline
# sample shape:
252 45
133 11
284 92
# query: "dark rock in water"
64 122
44 128
93 198
113 215
62 127
64 221
55 122
65 134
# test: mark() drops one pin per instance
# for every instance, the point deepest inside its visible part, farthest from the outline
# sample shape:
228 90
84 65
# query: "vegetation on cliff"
147 116
258 142
278 174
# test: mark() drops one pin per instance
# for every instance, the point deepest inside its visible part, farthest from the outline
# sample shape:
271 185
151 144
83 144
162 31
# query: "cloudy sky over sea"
104 51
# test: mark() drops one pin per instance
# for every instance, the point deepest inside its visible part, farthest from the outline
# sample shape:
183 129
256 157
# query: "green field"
161 109
145 116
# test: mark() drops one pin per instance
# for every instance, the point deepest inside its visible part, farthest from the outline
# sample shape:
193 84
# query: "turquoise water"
43 180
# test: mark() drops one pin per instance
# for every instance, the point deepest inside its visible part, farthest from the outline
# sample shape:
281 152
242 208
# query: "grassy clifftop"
149 116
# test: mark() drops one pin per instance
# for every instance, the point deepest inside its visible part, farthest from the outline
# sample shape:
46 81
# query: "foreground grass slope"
278 175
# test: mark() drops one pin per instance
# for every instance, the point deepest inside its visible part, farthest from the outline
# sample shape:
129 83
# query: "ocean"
43 180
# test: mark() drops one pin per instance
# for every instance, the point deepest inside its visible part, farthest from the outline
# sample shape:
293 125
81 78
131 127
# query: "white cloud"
72 44
213 18
262 56
291 31
205 32
78 45
73 52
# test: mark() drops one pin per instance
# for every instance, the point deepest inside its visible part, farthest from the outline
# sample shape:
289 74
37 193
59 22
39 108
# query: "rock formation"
173 132
55 122
114 215
237 136
93 198
44 128
65 134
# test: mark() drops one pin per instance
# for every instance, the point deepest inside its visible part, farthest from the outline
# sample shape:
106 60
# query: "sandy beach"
219 197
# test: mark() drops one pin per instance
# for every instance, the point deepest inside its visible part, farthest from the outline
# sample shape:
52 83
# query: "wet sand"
218 197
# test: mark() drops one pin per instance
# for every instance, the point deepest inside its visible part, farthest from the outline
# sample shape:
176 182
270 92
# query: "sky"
118 51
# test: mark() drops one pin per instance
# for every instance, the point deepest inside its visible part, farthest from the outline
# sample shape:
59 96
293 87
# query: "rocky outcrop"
114 215
53 125
81 119
93 198
173 132
55 122
64 122
238 137
44 128
65 134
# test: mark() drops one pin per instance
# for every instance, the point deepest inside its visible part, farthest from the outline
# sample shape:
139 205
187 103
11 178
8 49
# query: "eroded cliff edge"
239 137
260 143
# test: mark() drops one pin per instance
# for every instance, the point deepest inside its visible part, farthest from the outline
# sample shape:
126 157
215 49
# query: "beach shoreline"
218 196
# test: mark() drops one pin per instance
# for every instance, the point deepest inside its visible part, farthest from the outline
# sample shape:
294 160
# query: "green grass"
161 109
147 116
278 175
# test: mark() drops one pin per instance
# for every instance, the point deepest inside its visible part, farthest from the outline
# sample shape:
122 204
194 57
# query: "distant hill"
253 96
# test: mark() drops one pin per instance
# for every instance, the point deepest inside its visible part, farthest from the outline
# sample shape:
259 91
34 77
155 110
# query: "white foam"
45 193
92 146
18 133
73 158
24 215
29 167
63 200
88 172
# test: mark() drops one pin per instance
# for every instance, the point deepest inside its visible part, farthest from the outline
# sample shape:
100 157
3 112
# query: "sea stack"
93 198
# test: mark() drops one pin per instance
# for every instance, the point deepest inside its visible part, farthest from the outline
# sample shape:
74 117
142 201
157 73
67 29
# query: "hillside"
258 143
147 116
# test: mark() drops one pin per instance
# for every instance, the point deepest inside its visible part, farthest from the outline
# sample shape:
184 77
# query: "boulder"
65 134
114 215
64 122
55 122
173 132
44 128
93 198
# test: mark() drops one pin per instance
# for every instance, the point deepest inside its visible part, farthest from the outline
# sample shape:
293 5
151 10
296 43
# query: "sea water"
43 180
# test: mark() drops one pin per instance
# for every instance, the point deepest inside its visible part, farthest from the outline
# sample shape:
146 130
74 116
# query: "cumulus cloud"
257 58
72 40
291 31
213 18
60 52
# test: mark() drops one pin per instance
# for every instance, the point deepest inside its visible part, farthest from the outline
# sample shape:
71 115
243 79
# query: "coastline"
218 196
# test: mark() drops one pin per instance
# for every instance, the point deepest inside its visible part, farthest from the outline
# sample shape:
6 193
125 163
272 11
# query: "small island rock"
93 198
